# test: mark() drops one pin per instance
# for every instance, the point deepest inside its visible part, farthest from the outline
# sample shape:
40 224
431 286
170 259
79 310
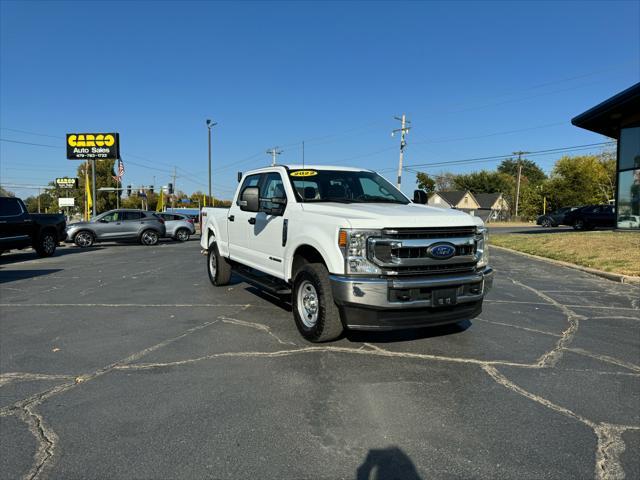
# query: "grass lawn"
617 252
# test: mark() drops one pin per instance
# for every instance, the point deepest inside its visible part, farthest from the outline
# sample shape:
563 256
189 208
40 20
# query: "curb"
615 277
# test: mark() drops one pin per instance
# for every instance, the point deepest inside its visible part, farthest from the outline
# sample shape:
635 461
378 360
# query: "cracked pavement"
124 362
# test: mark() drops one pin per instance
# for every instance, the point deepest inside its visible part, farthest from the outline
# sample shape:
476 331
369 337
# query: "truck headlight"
353 245
482 246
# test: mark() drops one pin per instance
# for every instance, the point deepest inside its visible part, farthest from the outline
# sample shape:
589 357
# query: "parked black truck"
20 229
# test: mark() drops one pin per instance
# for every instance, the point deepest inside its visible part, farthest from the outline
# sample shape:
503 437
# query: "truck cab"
350 248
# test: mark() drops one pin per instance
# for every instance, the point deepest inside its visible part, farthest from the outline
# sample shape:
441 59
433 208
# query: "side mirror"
250 199
420 196
102 220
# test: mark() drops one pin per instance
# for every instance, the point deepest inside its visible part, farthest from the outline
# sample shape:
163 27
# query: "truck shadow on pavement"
387 464
27 255
7 276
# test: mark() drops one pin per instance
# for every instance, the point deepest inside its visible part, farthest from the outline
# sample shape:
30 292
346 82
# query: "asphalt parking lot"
122 361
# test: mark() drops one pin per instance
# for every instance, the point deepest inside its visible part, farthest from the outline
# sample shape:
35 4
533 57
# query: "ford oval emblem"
441 251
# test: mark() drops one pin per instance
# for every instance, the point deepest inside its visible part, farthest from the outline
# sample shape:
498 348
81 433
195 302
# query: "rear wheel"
546 223
149 237
316 314
218 268
46 245
84 239
579 225
182 235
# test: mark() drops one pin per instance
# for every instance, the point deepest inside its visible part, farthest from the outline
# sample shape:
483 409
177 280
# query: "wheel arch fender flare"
308 252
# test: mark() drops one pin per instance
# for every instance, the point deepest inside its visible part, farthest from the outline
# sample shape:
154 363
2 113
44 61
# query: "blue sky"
331 73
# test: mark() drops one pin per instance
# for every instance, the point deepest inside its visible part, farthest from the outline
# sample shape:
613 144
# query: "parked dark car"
120 226
555 218
20 229
592 216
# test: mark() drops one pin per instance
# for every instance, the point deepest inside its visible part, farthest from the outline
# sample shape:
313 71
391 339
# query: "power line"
510 155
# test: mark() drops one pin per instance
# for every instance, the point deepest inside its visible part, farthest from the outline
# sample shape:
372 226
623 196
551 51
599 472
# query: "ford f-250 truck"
351 250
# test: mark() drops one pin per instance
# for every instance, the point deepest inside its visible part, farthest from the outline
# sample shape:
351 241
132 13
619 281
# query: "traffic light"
128 190
150 188
170 188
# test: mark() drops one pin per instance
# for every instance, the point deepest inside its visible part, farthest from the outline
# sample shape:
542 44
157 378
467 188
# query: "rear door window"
132 215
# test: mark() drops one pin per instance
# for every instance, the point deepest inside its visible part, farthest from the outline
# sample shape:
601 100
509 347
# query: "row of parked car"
43 232
588 217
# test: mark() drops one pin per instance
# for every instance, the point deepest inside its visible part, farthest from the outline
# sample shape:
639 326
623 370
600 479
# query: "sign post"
93 147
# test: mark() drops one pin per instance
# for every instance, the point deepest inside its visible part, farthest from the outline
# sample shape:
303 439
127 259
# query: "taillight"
161 220
190 220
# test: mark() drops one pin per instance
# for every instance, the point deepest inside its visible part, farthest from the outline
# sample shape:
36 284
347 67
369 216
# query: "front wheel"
316 314
182 235
149 237
46 245
546 223
84 239
579 225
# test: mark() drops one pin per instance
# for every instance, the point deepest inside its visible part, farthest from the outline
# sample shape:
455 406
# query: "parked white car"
350 248
628 221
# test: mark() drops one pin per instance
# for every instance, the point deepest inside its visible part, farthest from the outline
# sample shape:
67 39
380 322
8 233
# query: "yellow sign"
89 140
303 173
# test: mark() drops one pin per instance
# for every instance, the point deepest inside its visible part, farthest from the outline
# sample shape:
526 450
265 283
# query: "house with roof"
493 206
458 199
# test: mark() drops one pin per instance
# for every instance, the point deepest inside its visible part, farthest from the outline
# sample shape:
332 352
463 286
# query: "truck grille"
407 251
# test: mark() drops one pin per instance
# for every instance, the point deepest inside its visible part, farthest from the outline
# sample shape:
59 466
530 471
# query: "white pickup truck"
351 250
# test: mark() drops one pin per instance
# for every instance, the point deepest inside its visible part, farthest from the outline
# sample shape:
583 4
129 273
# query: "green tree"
581 180
6 193
425 182
104 178
530 170
484 181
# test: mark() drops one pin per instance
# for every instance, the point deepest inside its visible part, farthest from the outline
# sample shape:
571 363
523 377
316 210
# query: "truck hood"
391 215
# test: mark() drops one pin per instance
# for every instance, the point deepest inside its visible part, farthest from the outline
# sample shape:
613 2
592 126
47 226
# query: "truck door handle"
252 220
231 218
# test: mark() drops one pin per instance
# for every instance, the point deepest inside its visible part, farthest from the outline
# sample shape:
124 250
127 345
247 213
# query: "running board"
265 282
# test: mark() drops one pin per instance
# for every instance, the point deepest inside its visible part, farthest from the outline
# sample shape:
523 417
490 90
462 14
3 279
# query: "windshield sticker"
303 173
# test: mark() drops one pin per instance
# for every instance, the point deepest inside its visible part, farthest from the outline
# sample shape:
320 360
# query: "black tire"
149 237
84 239
182 235
547 223
579 225
324 324
218 267
46 245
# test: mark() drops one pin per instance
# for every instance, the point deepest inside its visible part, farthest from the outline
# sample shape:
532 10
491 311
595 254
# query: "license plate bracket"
444 297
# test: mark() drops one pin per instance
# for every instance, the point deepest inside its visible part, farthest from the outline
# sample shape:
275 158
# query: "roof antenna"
303 154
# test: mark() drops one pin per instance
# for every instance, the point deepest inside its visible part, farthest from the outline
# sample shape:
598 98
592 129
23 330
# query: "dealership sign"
93 146
66 182
66 202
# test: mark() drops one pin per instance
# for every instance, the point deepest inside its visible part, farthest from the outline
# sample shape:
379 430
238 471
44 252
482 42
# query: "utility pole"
274 152
173 197
520 153
93 181
210 125
404 129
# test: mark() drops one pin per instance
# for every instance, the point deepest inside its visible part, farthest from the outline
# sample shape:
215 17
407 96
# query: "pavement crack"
7 378
553 356
46 441
605 359
257 326
610 445
533 330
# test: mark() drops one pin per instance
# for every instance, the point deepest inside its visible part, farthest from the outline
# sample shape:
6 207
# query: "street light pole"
210 125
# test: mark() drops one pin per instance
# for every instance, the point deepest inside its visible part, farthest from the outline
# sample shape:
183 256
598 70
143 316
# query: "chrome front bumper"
387 303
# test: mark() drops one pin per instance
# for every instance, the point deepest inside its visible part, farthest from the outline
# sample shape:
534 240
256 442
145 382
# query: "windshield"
343 187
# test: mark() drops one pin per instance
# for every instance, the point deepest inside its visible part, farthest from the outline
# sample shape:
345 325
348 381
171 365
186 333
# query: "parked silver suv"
179 227
118 225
